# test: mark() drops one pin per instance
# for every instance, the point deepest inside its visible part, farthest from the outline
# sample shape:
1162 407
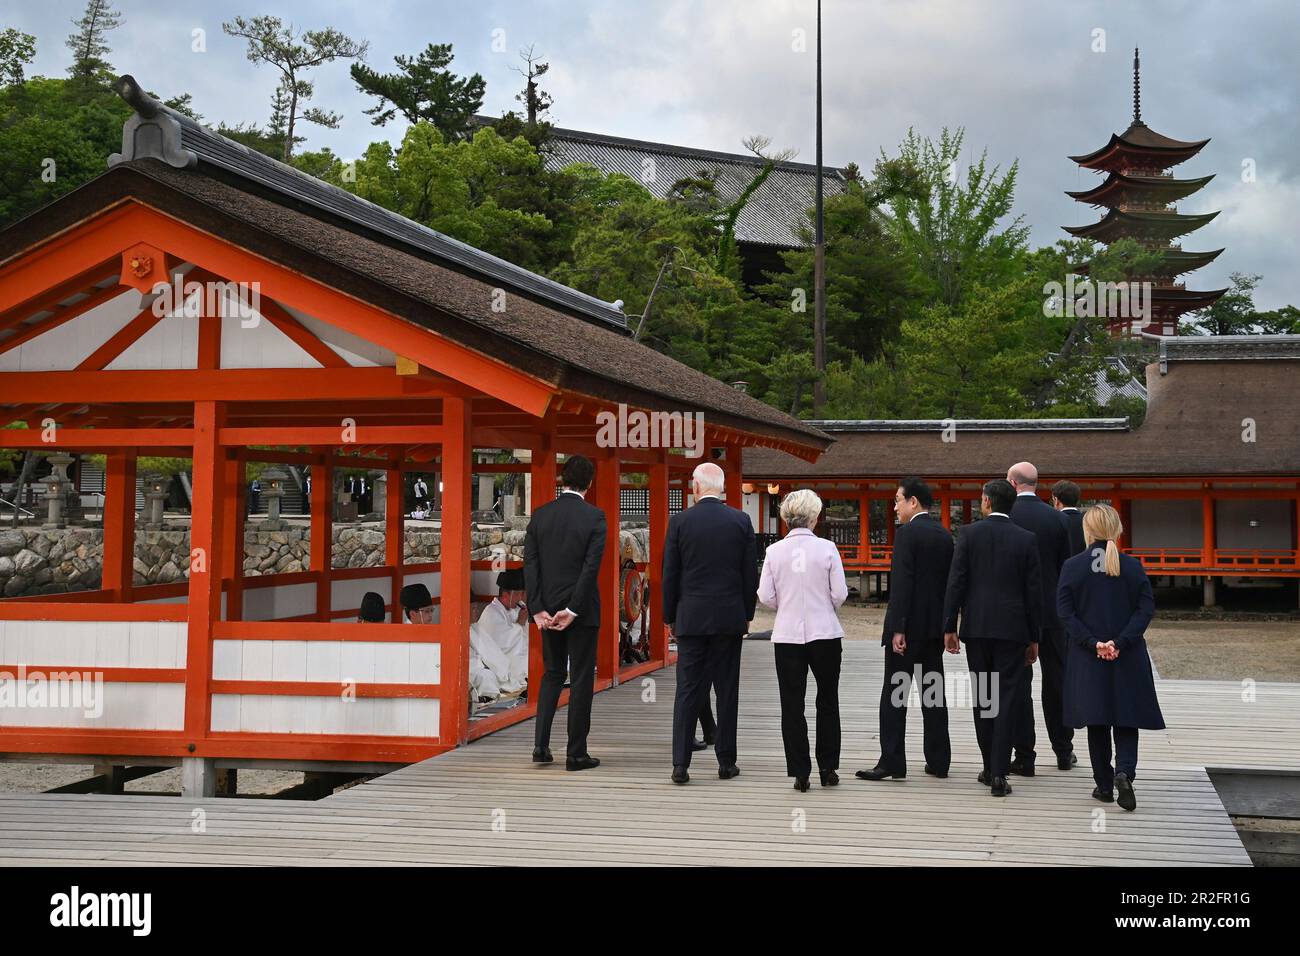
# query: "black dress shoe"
1105 796
585 762
698 744
542 755
1000 787
1067 762
941 774
729 771
680 775
1021 769
1126 798
801 784
830 778
984 778
880 773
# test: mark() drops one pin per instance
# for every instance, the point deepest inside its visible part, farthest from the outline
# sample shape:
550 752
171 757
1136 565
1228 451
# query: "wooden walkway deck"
487 804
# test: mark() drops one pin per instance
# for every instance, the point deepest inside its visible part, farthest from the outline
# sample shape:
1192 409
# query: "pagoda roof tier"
1119 188
1140 147
1117 224
1175 262
1173 301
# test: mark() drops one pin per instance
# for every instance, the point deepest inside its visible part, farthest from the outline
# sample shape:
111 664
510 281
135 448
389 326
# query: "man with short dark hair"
913 635
994 587
563 548
1065 499
1034 514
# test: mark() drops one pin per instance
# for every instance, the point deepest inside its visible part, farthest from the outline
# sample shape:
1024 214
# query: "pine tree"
89 44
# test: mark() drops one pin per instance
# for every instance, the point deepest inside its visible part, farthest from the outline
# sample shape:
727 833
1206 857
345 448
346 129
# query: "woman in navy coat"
1105 602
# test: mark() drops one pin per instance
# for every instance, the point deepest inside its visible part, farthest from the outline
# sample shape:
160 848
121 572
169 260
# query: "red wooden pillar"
394 530
1207 528
606 494
732 468
945 507
658 535
209 490
119 525
454 618
542 479
322 534
232 532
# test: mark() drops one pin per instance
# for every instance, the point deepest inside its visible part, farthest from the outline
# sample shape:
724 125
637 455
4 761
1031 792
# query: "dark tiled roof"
937 425
259 169
1194 426
774 215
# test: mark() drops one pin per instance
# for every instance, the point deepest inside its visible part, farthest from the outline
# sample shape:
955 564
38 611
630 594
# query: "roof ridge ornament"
152 132
1137 89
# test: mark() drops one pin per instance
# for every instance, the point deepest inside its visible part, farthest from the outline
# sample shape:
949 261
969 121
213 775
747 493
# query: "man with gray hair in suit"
710 588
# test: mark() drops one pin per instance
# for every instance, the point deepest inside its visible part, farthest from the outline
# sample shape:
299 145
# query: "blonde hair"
1102 523
799 509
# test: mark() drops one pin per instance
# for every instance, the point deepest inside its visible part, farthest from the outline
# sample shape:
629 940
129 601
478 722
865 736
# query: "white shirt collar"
918 515
998 514
1021 494
1069 508
570 491
710 495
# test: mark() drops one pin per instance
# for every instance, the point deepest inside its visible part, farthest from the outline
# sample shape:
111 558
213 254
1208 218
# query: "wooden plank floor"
487 804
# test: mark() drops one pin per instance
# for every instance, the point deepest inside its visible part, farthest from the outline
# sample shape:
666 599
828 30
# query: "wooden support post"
454 613
1207 529
394 532
235 596
198 776
606 499
119 525
864 527
945 507
322 532
209 490
542 489
732 468
658 535
232 532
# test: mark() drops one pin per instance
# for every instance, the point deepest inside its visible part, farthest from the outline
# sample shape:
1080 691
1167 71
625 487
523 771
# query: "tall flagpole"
819 250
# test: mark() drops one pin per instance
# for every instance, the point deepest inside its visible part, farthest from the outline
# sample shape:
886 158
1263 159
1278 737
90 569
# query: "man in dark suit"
913 635
563 548
994 586
710 591
1065 499
1034 514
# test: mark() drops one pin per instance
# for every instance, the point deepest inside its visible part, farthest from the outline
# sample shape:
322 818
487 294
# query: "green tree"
89 43
293 54
1233 314
17 50
955 228
423 90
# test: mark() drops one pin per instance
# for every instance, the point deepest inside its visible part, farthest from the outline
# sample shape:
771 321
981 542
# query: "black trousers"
573 650
996 669
1126 753
793 661
900 671
708 726
701 661
1051 657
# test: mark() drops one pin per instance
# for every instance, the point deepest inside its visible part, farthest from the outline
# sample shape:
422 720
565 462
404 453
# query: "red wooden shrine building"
1208 485
374 342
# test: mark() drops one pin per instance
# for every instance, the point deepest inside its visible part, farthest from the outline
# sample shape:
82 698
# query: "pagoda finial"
1137 87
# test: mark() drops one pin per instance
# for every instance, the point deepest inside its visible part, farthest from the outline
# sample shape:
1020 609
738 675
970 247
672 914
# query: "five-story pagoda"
1138 195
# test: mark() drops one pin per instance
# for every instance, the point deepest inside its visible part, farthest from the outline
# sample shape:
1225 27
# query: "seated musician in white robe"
417 602
504 625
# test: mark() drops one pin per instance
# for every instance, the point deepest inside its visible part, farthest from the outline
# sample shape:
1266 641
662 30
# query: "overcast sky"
1021 76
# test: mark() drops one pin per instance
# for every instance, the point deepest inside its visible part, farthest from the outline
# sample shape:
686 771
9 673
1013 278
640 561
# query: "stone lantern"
379 492
56 488
155 487
273 484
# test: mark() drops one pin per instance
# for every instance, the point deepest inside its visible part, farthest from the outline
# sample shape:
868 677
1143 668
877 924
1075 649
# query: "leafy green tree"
293 54
423 90
89 43
1233 314
953 228
17 50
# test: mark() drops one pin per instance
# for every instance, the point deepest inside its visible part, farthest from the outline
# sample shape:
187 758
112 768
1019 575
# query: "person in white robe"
501 633
417 602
